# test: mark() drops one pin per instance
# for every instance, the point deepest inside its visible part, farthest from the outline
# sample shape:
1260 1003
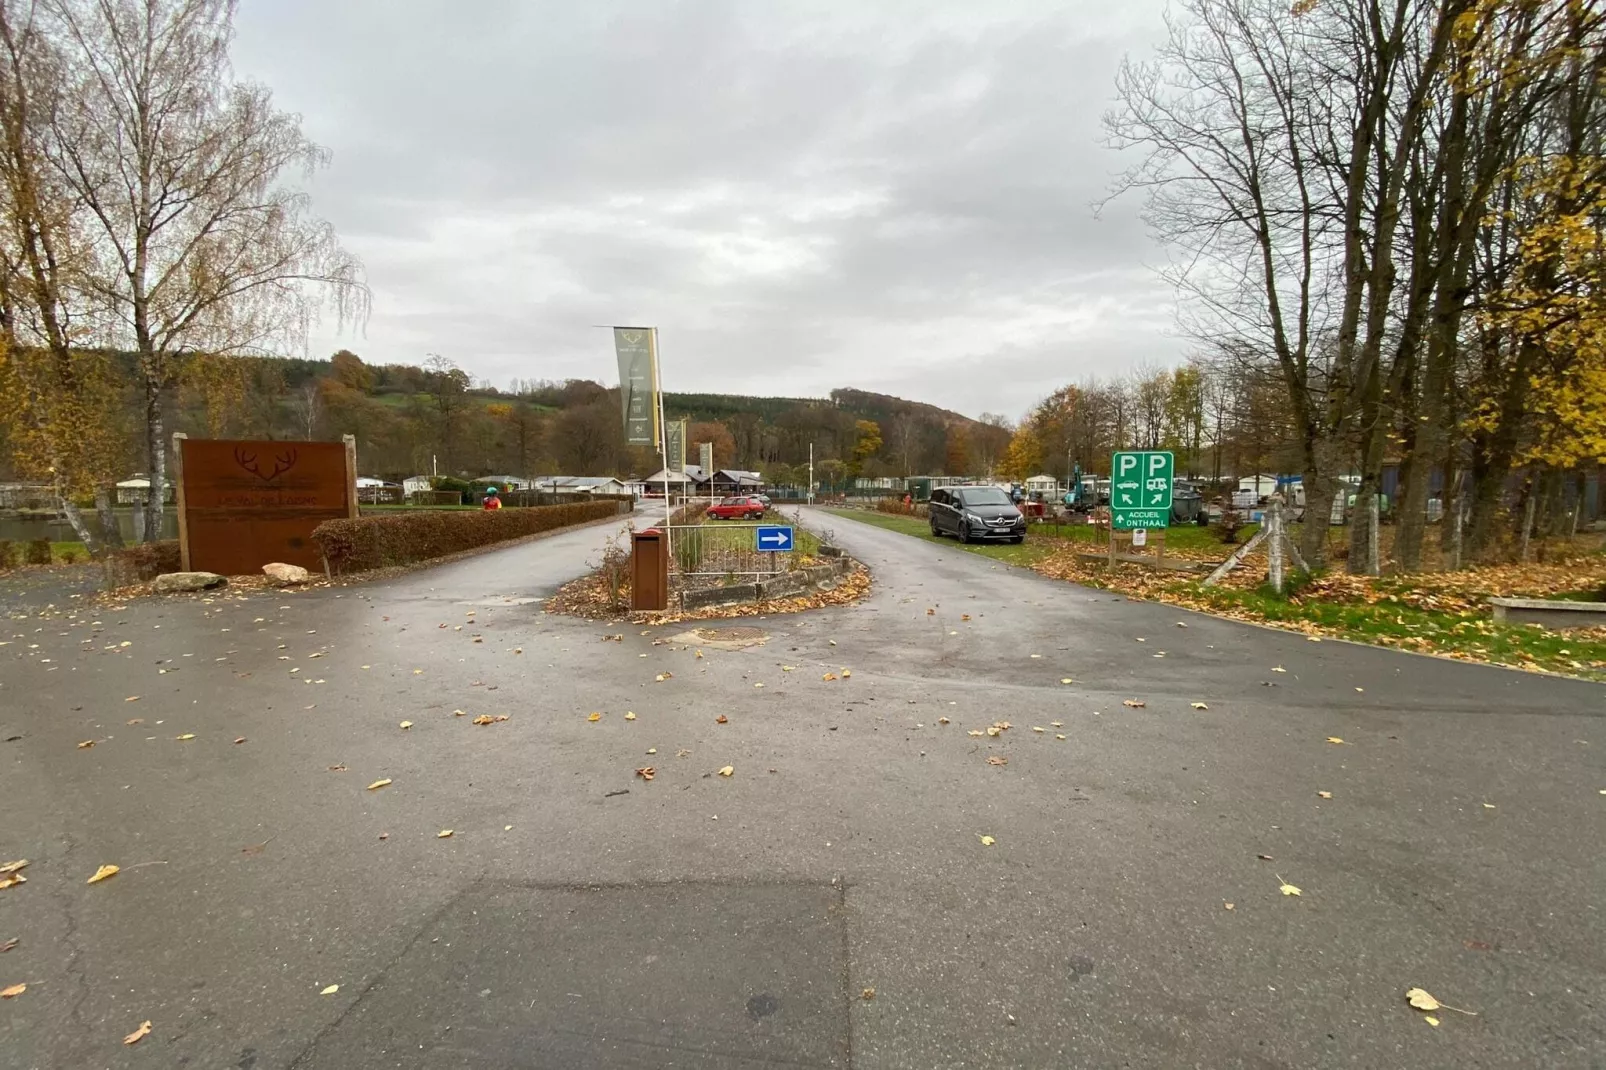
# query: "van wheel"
964 532
1017 540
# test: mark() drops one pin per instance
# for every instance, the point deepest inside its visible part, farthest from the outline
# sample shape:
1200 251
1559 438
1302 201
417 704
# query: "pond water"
25 528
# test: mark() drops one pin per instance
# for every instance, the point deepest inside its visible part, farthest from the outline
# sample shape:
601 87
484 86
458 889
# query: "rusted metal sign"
244 504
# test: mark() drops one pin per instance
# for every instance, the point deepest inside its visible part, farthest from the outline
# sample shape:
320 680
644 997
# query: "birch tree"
199 241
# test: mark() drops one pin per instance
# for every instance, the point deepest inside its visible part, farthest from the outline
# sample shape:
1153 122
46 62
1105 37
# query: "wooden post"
1274 549
1112 543
351 475
1159 546
1373 555
178 501
1455 532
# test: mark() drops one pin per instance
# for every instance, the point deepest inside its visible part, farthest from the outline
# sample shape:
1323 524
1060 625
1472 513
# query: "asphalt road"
710 921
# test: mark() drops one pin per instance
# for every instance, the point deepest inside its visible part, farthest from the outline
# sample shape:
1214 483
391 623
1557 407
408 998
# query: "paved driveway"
581 916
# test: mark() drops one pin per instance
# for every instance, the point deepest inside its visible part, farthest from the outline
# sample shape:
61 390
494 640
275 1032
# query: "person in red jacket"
491 500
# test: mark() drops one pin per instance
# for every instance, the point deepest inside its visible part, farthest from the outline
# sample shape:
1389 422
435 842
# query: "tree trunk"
111 535
75 517
156 462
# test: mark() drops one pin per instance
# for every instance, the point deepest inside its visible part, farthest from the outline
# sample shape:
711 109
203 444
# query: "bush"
136 564
403 538
896 506
689 514
9 554
1226 526
38 552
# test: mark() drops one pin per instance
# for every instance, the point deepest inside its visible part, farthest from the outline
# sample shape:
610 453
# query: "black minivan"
976 513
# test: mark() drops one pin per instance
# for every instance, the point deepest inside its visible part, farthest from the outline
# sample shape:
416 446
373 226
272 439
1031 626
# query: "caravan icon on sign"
1140 489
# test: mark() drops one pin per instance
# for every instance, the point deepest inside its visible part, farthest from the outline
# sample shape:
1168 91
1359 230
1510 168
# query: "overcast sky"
800 196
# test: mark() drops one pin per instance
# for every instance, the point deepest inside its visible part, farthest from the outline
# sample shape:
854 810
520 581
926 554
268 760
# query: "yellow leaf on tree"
379 783
102 873
143 1031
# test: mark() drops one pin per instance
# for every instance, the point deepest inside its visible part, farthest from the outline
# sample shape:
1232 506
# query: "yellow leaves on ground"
459 713
943 720
1286 888
788 668
131 698
1278 668
139 1034
486 718
646 772
1422 1001
1056 724
722 719
376 785
86 744
846 672
185 736
1198 705
868 993
11 880
406 724
727 770
986 841
1066 680
829 676
1037 728
329 990
595 717
12 867
1224 904
1428 1018
661 677
444 834
1324 794
13 991
997 759
102 873
1134 703
975 732
1335 739
629 716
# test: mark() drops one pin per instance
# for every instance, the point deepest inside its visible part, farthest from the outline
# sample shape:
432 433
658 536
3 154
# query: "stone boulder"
284 575
169 582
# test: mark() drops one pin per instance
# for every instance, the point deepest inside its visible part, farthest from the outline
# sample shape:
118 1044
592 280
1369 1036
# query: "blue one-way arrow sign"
774 538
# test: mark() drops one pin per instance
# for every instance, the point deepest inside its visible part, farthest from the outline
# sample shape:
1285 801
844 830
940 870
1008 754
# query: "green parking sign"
1140 489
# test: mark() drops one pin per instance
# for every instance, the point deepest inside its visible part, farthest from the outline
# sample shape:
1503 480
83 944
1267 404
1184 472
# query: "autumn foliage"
370 542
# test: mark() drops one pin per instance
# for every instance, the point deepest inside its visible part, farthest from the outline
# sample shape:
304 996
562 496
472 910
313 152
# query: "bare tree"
200 244
307 402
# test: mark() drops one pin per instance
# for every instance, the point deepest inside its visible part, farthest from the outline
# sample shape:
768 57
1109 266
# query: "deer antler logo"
282 462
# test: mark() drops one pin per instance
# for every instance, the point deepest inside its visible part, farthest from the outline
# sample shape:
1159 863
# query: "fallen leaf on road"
1264 858
1278 668
459 713
788 668
518 650
1325 794
1037 728
332 989
1180 624
1286 888
931 612
976 732
1422 1001
131 698
629 716
758 684
1335 739
1198 705
942 720
987 841
832 676
86 744
846 673
1428 1018
652 750
997 759
964 616
443 834
8 945
379 784
407 724
341 768
661 677
1136 704
143 1031
186 735
1035 655
593 717
1224 905
13 991
1488 806
135 720
1361 689
1059 737
1066 680
239 739
646 772
102 873
993 730
486 718
727 770
1056 724
721 719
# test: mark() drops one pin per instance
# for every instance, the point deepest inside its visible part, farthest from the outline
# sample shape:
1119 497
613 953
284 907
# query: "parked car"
764 498
739 508
976 513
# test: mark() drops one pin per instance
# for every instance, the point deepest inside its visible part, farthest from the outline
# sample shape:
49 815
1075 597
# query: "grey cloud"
801 198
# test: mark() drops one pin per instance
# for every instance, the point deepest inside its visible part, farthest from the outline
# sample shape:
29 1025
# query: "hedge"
145 561
403 538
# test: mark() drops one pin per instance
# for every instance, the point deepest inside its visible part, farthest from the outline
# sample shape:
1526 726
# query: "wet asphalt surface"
580 916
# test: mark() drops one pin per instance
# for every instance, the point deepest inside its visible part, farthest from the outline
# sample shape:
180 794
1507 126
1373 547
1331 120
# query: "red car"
737 509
